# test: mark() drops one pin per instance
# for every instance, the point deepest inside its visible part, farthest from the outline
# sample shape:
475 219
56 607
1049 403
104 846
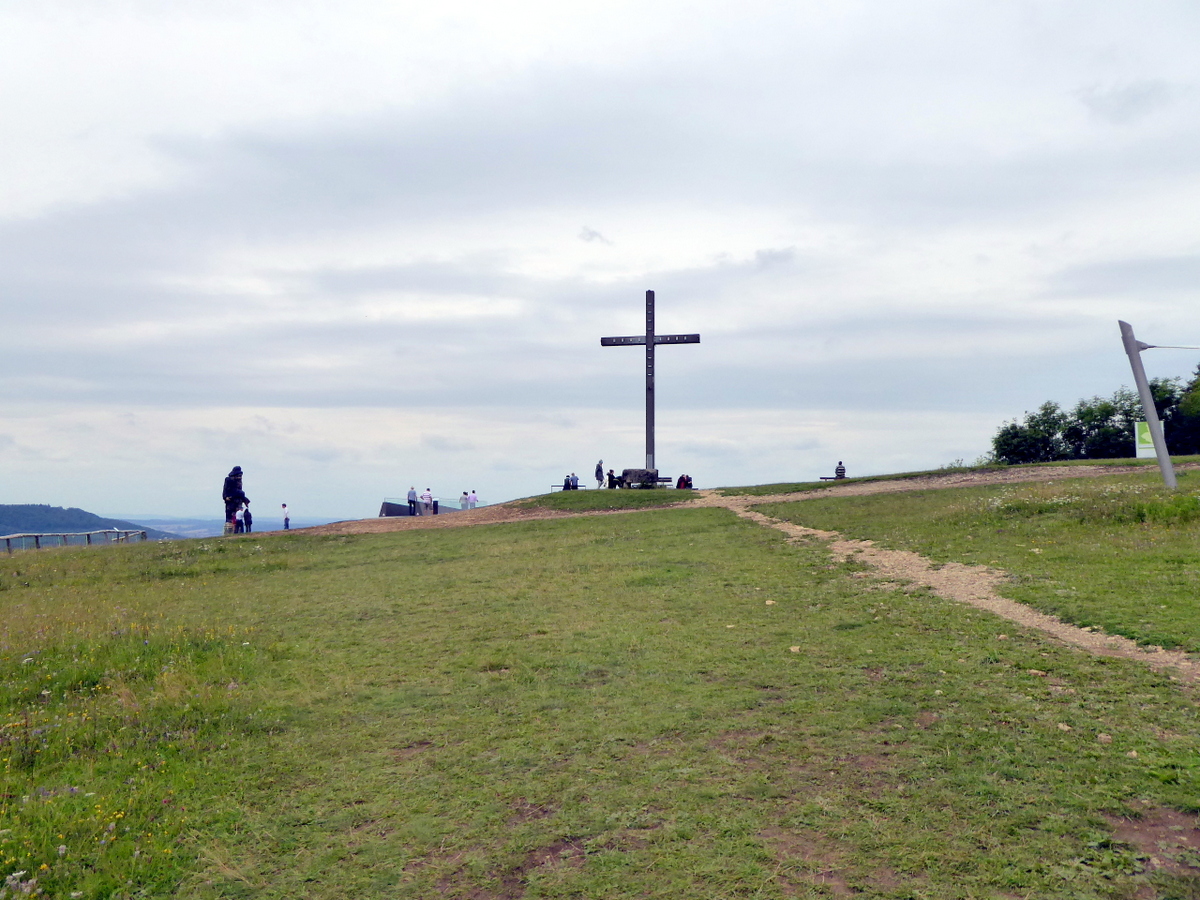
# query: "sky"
355 247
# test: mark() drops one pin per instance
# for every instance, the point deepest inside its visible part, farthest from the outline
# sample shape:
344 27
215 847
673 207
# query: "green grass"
624 498
1177 460
595 707
790 487
1118 553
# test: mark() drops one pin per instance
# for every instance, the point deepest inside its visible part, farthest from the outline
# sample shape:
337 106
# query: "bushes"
1102 428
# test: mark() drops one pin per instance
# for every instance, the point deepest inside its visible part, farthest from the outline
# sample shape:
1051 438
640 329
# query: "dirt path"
976 586
973 585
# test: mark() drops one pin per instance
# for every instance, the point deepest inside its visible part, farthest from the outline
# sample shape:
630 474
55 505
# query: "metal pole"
649 379
1134 348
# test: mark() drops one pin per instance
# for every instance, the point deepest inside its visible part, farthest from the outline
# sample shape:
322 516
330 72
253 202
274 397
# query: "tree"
1102 428
1037 439
1184 436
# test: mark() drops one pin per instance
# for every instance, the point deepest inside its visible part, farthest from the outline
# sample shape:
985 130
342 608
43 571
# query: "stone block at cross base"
641 478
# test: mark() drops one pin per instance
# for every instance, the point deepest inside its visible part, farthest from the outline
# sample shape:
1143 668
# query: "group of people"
420 504
614 480
424 503
238 519
571 482
684 483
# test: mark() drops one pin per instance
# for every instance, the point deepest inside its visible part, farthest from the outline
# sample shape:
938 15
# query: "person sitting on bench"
840 472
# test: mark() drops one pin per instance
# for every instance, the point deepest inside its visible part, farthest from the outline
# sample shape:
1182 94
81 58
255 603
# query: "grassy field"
787 487
588 501
677 704
1119 553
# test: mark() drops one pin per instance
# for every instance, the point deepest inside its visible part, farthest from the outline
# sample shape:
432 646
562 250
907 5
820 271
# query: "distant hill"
38 518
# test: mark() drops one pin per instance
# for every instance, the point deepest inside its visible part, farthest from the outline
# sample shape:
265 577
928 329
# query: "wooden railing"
44 540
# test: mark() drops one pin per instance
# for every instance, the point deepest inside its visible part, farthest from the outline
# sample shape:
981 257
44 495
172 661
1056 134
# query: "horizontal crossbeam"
658 339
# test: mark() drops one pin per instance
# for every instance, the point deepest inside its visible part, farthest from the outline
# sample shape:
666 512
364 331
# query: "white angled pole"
1134 348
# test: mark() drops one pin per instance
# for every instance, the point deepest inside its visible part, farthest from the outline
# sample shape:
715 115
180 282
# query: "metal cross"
650 339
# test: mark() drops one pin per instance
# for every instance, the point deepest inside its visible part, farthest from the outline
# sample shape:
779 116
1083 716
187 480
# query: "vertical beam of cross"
650 380
651 340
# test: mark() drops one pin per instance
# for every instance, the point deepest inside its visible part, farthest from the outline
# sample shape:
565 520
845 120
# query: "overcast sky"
356 246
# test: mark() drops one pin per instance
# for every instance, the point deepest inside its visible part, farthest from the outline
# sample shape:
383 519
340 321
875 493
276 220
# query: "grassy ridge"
1117 553
600 707
589 501
788 487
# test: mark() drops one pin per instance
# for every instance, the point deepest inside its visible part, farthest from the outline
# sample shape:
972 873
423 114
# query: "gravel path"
973 585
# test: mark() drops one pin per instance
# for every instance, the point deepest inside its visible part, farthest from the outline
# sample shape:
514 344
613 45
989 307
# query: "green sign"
1143 440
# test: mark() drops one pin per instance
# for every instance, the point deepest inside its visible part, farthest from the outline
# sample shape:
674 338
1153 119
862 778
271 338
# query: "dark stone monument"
640 478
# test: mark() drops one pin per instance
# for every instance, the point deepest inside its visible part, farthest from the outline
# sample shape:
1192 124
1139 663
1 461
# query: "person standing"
600 474
232 494
464 502
427 502
286 521
412 500
239 524
473 499
247 519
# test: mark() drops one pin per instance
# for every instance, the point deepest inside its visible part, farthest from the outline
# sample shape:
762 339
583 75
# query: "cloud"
1121 105
875 219
591 234
1156 275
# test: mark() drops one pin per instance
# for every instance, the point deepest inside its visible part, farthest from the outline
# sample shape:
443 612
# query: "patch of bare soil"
514 882
816 861
808 860
525 811
408 751
1168 838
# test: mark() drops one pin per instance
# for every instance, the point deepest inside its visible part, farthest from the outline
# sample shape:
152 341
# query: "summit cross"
651 340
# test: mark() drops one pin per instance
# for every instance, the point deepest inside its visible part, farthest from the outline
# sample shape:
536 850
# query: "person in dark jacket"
247 519
232 493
